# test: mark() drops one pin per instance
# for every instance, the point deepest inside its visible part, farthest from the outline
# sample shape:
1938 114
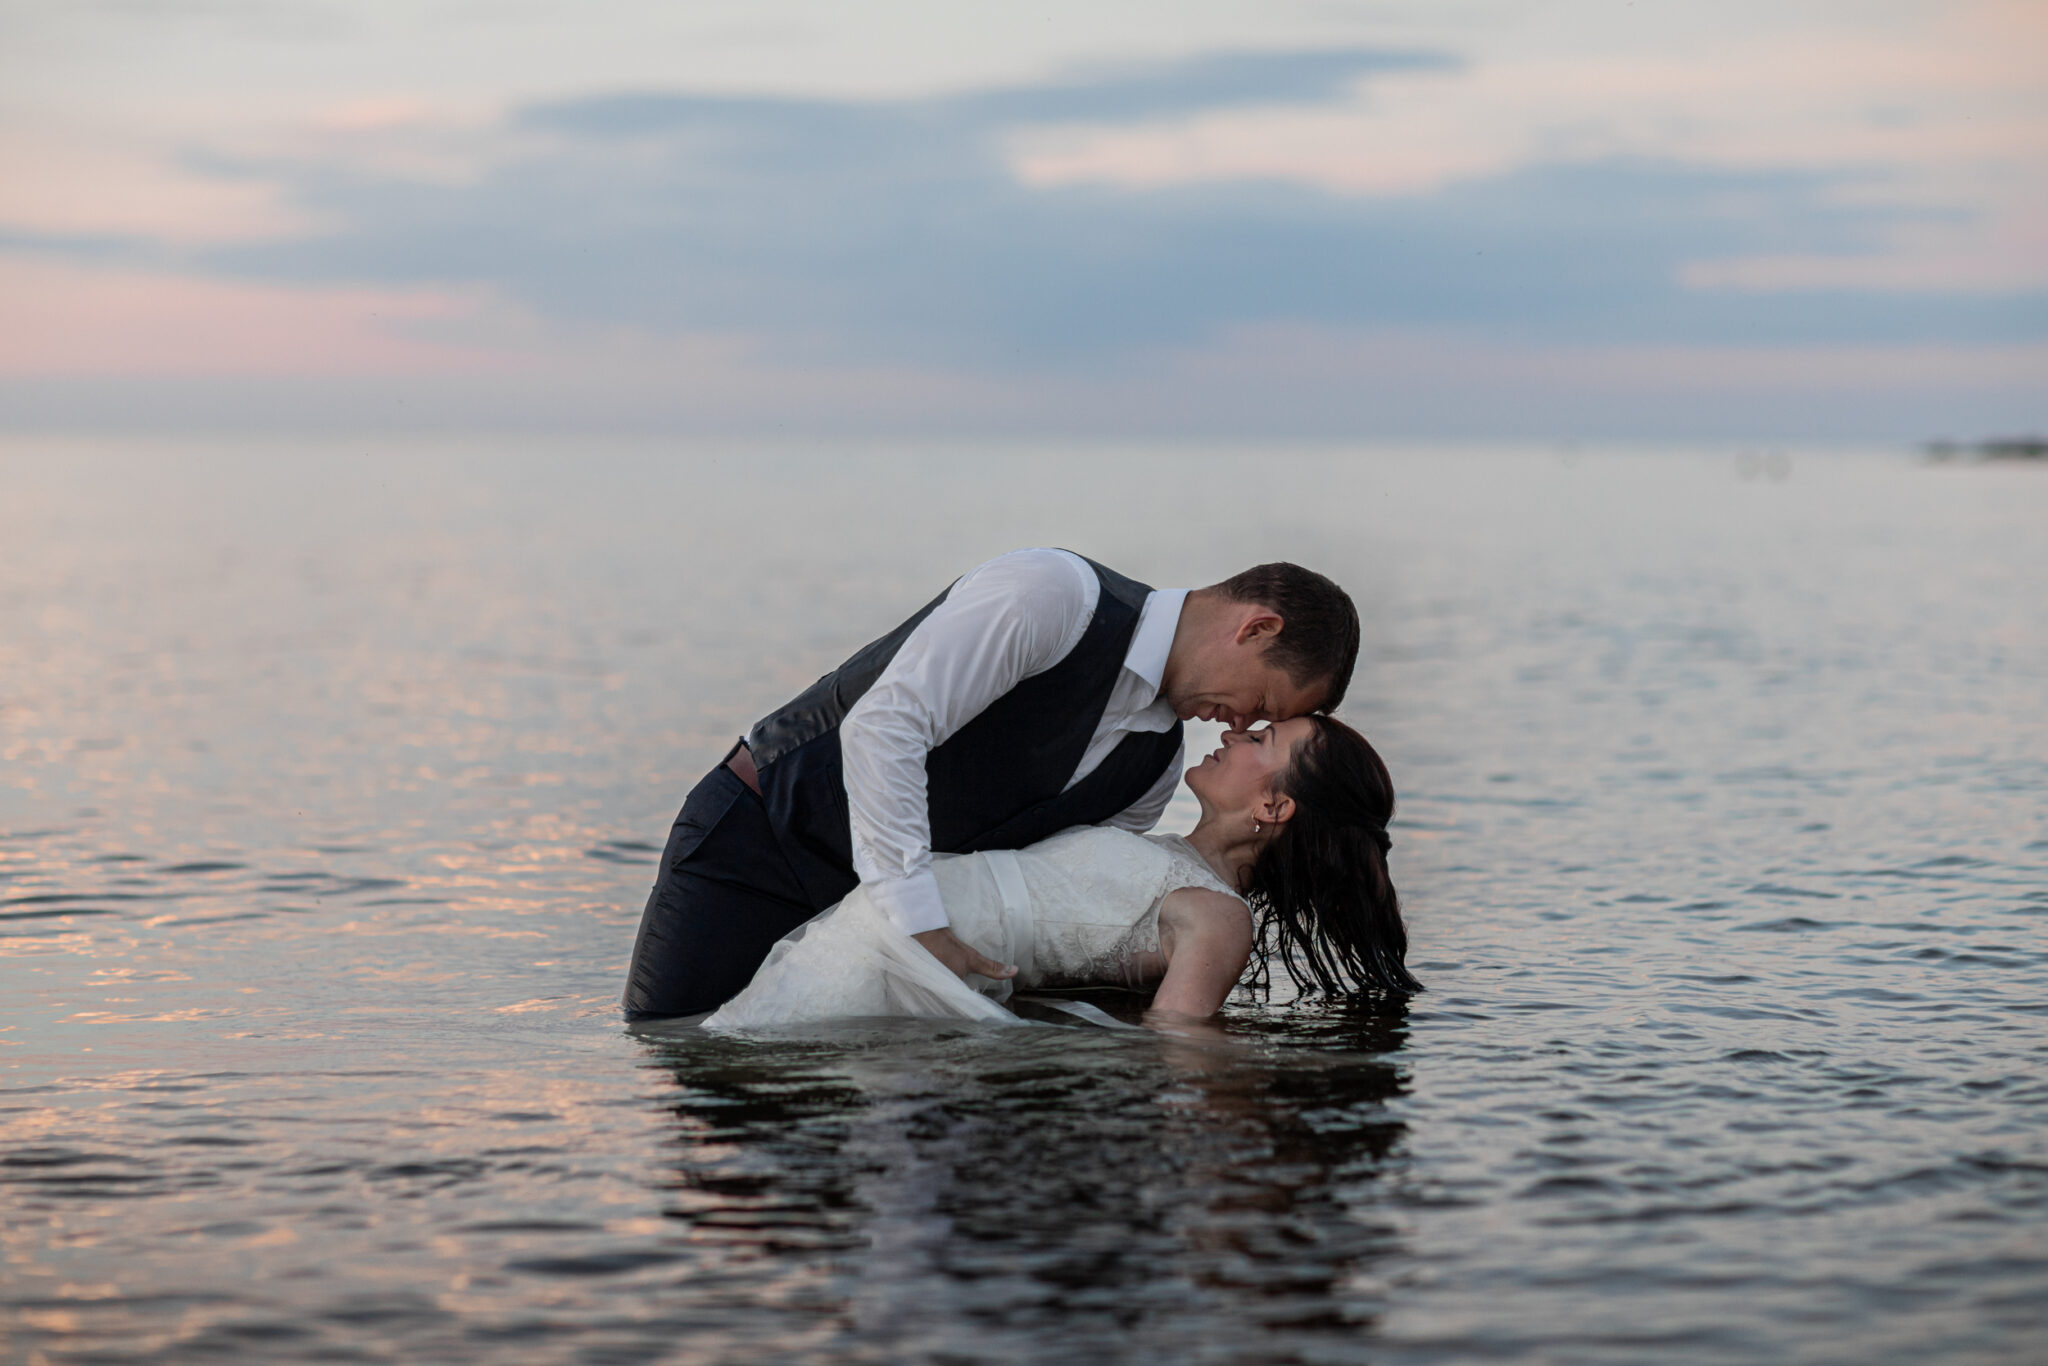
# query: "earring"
1255 827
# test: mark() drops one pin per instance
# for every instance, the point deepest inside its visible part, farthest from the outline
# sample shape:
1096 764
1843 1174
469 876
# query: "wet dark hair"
1320 890
1318 640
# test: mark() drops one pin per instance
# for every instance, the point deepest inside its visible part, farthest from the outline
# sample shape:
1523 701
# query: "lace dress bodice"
1095 894
1079 909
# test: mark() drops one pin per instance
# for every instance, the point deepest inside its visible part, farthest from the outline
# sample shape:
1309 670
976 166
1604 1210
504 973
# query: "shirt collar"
1153 640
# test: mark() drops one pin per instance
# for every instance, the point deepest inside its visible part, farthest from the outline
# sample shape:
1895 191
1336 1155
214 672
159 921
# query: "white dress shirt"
1015 616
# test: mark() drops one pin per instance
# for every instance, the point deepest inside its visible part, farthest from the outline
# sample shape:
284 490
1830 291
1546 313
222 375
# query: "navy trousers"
722 897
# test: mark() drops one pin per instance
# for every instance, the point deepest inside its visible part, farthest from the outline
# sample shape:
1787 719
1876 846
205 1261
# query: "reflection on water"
1073 1192
331 783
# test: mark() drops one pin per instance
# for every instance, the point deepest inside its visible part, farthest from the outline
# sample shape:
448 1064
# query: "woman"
1288 857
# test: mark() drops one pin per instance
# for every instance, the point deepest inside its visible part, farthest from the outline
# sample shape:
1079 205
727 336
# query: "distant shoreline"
1995 448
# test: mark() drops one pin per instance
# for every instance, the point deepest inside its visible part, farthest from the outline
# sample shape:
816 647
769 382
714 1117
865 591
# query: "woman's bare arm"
1206 937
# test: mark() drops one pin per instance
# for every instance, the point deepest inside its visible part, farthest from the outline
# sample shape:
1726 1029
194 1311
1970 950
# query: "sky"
1463 219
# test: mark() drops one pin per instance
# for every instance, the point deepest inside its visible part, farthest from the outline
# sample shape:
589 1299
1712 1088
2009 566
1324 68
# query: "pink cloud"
66 181
61 319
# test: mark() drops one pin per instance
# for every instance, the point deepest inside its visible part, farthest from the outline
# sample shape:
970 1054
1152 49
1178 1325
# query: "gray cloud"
893 230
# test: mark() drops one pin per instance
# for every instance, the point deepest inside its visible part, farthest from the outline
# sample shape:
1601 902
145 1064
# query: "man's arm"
1013 617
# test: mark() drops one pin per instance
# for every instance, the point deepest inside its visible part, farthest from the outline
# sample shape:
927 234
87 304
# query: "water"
334 773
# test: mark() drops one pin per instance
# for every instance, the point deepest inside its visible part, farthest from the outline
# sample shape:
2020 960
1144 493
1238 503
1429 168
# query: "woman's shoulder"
1214 914
1191 866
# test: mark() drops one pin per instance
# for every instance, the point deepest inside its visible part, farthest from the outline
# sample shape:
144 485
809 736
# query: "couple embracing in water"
960 809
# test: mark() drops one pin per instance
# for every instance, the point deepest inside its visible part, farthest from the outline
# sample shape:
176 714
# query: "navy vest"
995 784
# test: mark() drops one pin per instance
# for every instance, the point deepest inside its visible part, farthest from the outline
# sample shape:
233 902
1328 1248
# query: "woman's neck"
1229 858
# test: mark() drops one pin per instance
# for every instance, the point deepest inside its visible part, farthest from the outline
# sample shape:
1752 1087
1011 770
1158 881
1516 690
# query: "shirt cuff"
912 903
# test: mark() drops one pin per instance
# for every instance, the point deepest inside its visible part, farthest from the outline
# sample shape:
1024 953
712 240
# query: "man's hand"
959 958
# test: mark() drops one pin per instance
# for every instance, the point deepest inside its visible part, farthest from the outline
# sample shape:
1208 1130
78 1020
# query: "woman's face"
1240 775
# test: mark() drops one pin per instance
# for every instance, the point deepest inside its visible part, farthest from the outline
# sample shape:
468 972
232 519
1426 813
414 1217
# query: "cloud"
1934 111
1124 91
58 319
1955 254
905 230
1383 237
68 183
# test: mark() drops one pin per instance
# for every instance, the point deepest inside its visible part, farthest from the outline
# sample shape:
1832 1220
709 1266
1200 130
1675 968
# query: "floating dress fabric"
1079 909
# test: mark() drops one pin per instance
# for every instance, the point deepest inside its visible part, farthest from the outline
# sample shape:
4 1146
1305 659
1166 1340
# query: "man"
1040 691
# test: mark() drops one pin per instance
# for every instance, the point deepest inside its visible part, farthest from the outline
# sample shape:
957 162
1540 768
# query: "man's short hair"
1318 640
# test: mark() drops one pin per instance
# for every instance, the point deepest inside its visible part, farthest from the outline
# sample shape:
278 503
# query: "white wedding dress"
1079 909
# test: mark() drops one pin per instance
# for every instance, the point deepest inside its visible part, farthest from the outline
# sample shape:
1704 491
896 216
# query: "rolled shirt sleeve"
1015 616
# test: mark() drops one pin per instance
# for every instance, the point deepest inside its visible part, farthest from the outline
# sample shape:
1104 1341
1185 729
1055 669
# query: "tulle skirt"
851 960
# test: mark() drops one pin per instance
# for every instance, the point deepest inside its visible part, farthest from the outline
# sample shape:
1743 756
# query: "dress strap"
1192 869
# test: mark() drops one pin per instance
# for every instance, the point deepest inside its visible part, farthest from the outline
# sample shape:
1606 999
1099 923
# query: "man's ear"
1259 626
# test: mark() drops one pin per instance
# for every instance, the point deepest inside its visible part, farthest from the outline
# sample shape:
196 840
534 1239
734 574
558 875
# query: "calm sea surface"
332 775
